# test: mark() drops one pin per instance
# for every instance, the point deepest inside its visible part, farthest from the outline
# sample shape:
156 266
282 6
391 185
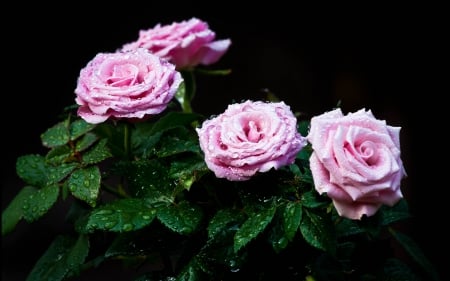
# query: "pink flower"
132 85
185 44
356 161
250 137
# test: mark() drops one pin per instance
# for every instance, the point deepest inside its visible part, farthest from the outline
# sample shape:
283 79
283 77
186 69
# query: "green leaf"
312 199
253 226
191 272
58 155
58 173
64 255
125 245
56 135
32 169
395 213
317 229
177 141
183 218
85 142
14 212
79 127
143 144
148 179
303 127
277 235
415 252
115 135
97 153
223 219
38 203
84 184
119 216
347 227
188 170
292 217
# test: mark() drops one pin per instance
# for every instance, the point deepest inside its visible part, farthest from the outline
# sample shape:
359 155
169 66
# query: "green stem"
190 89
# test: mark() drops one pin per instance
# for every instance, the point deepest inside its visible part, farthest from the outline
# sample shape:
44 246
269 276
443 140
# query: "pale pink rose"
356 161
131 85
250 137
185 44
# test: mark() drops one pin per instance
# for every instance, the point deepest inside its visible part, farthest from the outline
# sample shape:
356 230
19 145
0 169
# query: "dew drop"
104 212
109 225
127 227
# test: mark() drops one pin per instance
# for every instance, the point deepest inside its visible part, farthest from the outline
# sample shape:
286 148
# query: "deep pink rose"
250 137
185 44
131 85
356 161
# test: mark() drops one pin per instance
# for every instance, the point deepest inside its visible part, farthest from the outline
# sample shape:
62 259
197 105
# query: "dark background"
380 58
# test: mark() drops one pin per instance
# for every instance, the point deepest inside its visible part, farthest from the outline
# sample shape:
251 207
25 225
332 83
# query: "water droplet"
109 225
104 212
127 227
236 269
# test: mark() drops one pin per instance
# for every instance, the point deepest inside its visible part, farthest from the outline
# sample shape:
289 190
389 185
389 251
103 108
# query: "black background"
381 58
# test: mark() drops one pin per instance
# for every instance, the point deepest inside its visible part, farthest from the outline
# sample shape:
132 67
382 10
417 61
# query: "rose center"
123 75
252 131
367 151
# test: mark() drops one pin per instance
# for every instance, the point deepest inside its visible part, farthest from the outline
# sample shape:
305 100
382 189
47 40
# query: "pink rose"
250 137
356 161
131 85
185 44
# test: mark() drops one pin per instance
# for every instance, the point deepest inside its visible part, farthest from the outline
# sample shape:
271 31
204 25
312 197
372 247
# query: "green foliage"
141 193
15 212
122 215
61 260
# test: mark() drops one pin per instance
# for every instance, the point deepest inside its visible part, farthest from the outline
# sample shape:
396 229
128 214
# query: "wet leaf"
58 173
14 212
59 155
84 184
183 217
38 203
85 142
292 216
175 144
188 170
79 127
317 229
148 179
32 169
64 256
253 226
56 135
395 213
223 219
122 215
97 153
312 199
